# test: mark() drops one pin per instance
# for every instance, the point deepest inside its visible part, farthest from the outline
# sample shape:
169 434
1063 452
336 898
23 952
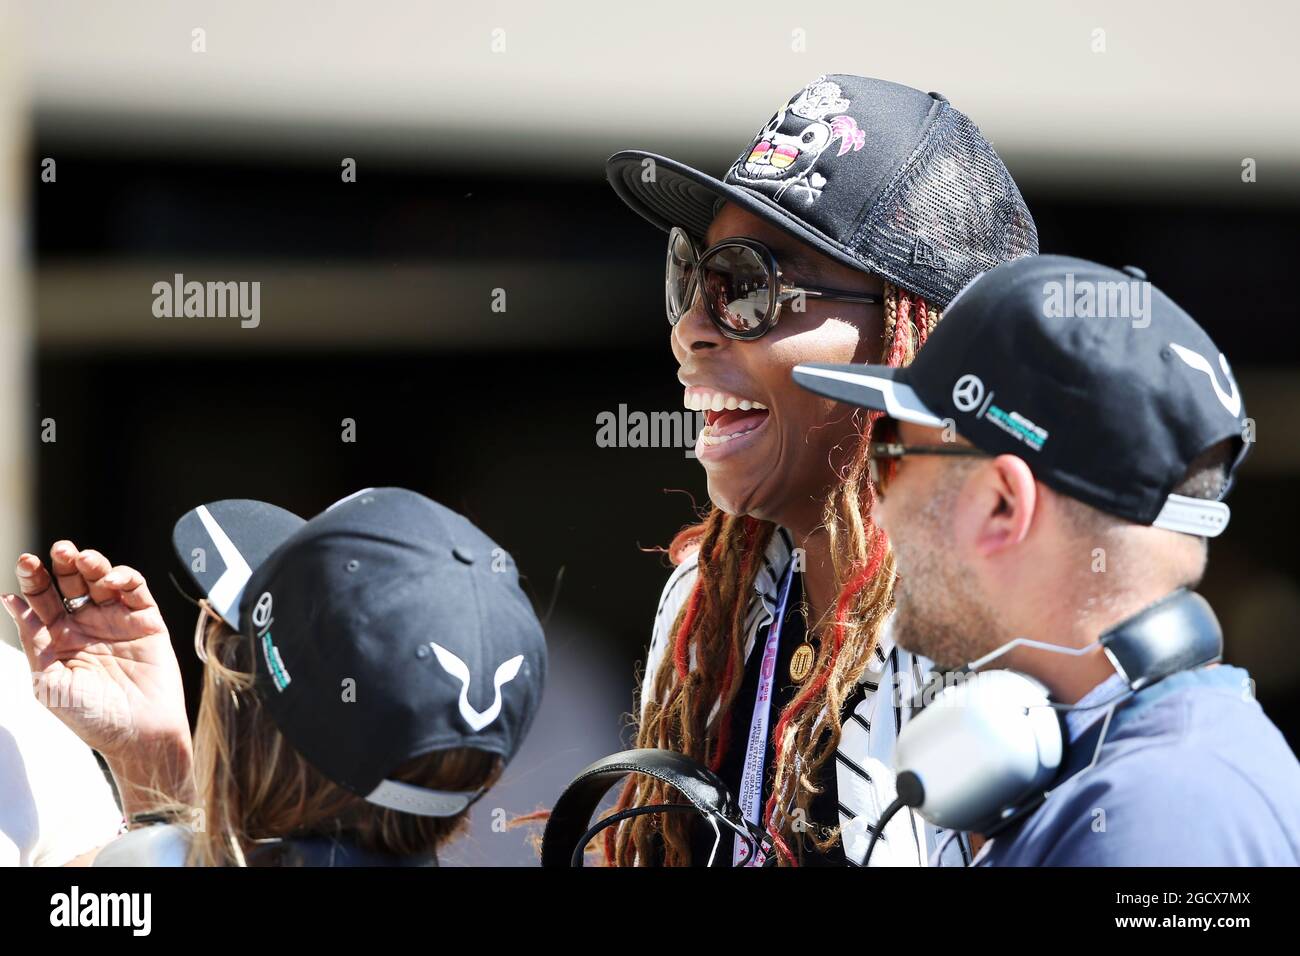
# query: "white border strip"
894 393
225 594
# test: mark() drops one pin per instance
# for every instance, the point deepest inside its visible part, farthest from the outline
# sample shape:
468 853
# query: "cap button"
463 555
1135 272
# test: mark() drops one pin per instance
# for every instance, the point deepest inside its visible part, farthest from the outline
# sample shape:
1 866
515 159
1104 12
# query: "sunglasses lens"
737 289
677 274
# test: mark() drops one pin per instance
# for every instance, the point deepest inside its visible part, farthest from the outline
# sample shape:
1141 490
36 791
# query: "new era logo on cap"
923 254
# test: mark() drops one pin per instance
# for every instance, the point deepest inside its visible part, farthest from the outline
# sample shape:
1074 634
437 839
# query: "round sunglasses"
741 284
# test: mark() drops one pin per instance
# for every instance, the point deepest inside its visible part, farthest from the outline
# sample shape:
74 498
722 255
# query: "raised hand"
106 669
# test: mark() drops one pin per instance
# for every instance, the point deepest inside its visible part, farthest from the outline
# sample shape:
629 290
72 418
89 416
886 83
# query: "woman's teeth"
707 438
719 402
719 426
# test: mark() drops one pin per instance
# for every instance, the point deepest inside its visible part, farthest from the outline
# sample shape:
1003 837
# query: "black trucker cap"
1092 375
385 628
881 177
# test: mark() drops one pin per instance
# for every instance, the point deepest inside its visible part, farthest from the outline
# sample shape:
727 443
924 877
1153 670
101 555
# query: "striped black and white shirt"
863 780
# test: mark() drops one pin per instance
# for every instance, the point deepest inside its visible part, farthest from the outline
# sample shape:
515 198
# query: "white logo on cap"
457 668
1231 401
262 610
968 392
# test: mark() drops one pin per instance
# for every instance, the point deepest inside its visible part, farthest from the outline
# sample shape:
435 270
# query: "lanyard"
751 780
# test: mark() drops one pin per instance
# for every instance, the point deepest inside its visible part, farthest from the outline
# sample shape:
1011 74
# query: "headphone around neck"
987 750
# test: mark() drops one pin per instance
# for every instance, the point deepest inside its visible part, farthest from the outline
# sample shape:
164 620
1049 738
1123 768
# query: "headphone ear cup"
981 748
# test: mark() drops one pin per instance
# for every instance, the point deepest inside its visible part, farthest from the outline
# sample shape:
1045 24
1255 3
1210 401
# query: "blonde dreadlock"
689 710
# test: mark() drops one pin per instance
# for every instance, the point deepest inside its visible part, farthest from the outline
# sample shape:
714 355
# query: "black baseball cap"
384 628
1092 375
881 177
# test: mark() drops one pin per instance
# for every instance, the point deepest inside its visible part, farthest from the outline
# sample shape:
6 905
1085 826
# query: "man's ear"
1007 497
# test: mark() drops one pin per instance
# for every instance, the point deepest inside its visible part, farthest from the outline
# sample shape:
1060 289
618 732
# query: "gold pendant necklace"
801 663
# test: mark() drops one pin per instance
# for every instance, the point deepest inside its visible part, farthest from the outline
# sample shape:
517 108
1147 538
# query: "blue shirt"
1087 712
1192 773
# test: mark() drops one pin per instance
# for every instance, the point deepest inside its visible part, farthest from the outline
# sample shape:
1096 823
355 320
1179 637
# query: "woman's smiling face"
770 449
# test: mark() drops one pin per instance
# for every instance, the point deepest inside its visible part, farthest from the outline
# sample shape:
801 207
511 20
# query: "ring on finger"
74 604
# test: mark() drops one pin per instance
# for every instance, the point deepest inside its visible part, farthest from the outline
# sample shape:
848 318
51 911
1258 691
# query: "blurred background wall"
479 133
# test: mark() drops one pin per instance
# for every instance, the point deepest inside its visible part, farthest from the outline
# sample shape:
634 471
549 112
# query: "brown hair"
252 785
712 625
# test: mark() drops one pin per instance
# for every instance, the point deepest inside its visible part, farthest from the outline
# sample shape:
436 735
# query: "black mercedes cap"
881 177
1092 375
384 628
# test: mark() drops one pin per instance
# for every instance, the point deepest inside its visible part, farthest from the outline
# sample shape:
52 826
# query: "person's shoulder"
163 844
1196 775
1210 716
1173 802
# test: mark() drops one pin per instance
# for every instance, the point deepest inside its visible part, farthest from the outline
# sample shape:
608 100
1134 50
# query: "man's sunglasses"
886 449
741 284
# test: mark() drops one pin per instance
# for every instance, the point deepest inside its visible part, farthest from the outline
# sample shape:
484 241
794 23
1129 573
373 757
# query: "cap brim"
679 195
879 387
222 543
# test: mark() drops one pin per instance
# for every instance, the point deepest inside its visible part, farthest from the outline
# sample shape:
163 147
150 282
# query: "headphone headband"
567 830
